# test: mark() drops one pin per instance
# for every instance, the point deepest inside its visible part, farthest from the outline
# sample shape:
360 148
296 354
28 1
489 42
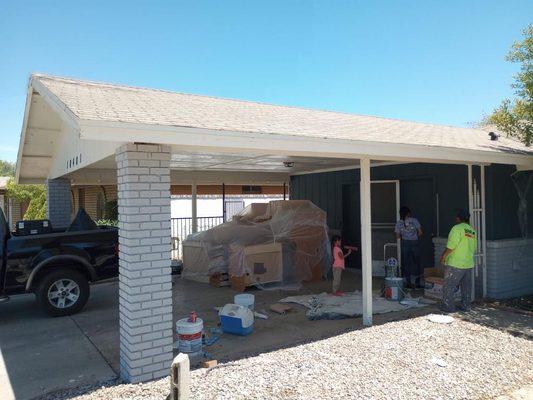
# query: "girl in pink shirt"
338 263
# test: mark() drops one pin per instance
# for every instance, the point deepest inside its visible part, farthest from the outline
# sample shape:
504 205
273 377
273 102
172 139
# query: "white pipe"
194 208
366 240
483 231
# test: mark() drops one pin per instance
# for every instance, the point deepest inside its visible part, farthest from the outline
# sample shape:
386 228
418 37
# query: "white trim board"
198 139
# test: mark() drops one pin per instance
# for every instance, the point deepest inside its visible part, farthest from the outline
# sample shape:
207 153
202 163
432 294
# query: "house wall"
15 212
449 182
508 272
87 197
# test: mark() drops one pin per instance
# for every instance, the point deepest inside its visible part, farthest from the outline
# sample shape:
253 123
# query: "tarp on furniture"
281 243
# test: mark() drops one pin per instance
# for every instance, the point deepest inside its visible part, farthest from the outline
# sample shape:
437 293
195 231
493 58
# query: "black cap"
463 214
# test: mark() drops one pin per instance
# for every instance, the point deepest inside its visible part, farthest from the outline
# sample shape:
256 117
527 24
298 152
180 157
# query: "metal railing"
180 228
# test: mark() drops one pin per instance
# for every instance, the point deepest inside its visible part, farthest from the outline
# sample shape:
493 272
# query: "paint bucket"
189 332
245 299
391 271
393 289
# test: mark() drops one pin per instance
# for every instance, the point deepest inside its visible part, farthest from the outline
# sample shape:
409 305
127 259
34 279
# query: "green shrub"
111 210
34 194
107 222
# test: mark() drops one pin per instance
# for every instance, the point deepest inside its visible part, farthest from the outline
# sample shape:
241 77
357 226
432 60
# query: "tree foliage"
7 168
515 117
34 194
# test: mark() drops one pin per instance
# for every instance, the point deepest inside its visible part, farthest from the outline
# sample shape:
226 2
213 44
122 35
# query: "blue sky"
426 60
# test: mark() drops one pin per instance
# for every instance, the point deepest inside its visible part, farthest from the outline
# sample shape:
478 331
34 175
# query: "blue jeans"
411 261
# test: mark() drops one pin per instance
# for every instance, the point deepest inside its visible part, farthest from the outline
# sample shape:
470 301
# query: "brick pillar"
58 202
145 285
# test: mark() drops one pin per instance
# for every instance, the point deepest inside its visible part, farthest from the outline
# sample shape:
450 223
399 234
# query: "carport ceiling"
203 161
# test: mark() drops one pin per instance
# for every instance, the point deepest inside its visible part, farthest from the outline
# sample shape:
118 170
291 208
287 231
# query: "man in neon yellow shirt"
459 261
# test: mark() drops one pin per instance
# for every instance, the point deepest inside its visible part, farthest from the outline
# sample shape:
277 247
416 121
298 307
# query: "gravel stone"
390 361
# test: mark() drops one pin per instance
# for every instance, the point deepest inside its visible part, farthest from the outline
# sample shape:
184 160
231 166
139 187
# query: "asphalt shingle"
117 103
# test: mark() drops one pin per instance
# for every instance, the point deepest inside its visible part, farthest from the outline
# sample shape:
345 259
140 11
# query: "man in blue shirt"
408 229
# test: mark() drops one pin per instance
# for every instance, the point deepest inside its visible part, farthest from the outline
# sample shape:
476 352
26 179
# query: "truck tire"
62 292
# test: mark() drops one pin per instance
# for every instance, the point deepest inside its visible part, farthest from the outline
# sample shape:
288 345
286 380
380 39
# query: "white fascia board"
196 139
23 132
347 168
66 115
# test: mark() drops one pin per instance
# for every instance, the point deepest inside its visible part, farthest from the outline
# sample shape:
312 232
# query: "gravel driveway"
411 359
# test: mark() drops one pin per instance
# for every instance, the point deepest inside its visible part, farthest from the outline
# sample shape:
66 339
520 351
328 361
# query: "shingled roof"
93 101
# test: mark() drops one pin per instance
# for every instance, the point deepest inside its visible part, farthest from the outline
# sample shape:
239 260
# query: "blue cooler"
236 319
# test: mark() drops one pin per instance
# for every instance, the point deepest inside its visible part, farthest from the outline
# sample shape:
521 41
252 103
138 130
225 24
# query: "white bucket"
394 288
245 299
190 336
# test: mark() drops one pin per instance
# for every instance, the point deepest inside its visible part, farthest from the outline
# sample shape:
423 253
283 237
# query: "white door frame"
397 183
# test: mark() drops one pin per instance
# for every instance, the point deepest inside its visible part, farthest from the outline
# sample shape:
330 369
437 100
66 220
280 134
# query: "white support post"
483 231
471 212
398 241
194 208
366 240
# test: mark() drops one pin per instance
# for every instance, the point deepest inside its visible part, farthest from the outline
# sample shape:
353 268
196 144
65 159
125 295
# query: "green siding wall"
449 182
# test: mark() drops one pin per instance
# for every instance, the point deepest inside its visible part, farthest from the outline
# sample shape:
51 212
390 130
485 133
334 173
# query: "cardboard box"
434 288
263 263
434 271
219 280
195 262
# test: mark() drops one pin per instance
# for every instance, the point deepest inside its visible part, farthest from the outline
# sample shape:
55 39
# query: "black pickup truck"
56 265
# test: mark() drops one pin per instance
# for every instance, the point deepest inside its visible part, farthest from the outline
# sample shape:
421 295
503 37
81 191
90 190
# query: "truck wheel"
62 292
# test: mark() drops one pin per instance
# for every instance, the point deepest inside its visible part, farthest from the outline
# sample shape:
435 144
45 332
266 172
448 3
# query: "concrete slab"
41 354
99 320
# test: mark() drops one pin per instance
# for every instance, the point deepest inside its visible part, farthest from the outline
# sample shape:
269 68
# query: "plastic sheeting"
266 244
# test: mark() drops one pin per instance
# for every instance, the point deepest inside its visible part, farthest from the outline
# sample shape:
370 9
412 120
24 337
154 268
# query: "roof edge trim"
57 105
292 144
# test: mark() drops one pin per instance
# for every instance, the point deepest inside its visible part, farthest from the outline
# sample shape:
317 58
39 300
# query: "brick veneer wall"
145 287
509 267
58 202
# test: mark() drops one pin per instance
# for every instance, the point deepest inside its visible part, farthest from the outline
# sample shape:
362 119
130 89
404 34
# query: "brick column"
145 285
58 202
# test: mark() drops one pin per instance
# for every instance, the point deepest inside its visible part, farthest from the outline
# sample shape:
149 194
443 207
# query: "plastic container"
190 336
394 289
245 300
236 319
